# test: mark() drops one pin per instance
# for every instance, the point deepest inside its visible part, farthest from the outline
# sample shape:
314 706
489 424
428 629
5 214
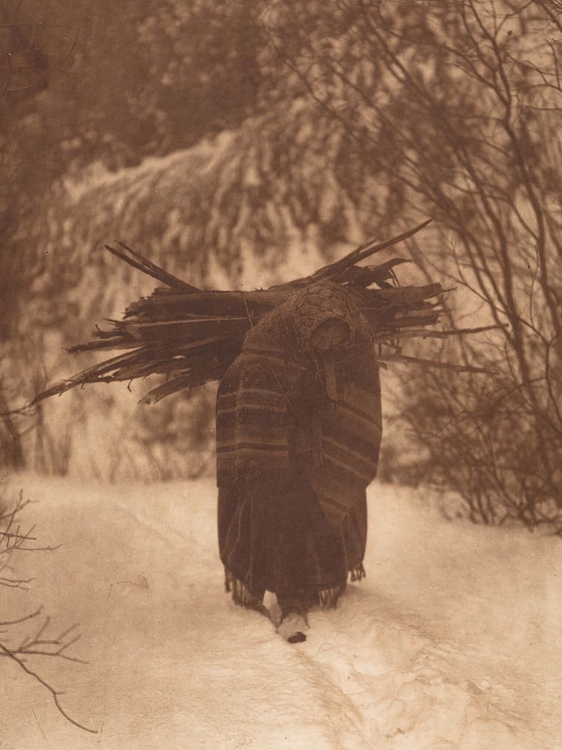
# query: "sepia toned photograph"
281 375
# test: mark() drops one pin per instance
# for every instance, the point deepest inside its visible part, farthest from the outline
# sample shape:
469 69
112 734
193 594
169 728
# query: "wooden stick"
159 273
365 250
154 271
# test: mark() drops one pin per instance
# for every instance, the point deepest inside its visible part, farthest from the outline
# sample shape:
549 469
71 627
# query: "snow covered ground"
452 641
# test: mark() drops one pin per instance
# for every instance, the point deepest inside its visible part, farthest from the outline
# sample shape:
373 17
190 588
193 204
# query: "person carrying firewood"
298 436
298 409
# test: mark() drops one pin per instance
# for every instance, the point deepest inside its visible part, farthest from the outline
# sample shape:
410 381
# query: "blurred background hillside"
244 143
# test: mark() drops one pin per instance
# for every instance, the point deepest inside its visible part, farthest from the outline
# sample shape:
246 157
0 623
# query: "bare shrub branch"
15 537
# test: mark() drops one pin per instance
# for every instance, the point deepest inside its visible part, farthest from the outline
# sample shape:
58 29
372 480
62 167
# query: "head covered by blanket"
304 396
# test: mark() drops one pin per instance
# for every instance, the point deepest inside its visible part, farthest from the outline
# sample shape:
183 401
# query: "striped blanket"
276 412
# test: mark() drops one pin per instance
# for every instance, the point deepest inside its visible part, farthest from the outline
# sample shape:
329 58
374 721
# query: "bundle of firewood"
191 336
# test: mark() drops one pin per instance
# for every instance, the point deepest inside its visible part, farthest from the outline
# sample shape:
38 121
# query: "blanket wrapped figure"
298 437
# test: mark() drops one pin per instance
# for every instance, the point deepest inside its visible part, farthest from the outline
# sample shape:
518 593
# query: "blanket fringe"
327 598
241 594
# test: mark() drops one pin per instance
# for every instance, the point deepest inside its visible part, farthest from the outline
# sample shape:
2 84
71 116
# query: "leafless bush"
19 644
483 441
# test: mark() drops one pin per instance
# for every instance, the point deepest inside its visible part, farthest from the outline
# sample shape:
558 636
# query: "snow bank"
450 642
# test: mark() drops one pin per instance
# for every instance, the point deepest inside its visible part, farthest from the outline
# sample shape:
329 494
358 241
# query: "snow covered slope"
452 641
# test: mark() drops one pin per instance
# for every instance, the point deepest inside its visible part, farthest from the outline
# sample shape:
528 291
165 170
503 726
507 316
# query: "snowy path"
453 640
